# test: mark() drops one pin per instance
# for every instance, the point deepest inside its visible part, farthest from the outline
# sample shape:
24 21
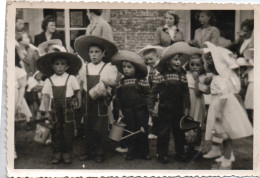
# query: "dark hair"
149 51
18 18
249 23
212 20
58 58
46 21
195 56
98 12
17 60
96 45
212 67
176 17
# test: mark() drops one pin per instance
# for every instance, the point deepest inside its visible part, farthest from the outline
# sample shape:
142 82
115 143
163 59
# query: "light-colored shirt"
108 75
210 33
60 80
171 30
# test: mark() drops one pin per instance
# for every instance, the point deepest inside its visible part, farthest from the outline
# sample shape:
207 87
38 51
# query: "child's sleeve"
47 87
152 97
186 92
202 86
145 88
221 87
74 83
118 96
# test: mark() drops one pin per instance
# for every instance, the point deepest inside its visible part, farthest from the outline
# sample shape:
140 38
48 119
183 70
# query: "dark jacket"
40 38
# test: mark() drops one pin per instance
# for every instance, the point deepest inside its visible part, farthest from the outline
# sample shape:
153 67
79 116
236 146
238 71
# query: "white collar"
65 74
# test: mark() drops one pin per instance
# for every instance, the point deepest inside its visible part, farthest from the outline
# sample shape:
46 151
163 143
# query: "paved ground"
32 155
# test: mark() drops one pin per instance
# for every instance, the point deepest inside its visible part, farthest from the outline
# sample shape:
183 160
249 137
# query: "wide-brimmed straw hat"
134 58
44 63
223 61
42 47
158 49
176 48
83 43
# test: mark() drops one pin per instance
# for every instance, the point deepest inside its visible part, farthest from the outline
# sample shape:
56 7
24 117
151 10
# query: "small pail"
98 91
117 131
42 132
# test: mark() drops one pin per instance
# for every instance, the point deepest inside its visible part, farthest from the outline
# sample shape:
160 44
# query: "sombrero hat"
44 63
83 43
132 57
158 49
42 47
179 47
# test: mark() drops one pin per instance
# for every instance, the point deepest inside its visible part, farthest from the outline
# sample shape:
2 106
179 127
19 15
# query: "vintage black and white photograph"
133 89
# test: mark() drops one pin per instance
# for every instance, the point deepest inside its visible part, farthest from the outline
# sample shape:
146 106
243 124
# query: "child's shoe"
226 164
67 158
213 153
220 159
56 158
121 150
152 136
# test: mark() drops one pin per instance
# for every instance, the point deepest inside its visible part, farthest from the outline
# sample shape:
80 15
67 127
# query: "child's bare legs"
227 162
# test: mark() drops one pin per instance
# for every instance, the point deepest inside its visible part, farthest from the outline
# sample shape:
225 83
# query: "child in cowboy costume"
174 99
131 98
100 76
152 55
63 89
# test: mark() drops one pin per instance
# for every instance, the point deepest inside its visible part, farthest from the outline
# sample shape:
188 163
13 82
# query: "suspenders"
65 82
99 70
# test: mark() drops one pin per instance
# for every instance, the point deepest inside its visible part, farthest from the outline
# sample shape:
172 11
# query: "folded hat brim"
134 58
44 63
83 43
158 49
42 47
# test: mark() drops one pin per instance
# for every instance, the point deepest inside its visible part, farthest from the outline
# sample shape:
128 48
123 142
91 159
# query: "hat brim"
187 123
135 59
44 63
83 43
177 48
158 49
42 47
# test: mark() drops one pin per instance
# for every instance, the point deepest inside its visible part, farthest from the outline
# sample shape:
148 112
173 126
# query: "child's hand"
195 76
153 112
120 114
208 80
75 104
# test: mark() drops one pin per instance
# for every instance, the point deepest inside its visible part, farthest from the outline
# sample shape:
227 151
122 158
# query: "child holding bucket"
152 56
99 76
226 120
63 89
174 99
131 99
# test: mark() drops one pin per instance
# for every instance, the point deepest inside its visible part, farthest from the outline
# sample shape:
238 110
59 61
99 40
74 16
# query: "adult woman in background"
49 31
98 26
169 33
207 31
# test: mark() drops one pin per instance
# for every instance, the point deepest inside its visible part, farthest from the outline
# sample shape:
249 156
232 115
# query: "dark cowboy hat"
176 48
134 58
83 43
187 123
44 63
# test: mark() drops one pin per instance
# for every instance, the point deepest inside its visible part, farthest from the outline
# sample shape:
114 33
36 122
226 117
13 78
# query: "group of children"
156 84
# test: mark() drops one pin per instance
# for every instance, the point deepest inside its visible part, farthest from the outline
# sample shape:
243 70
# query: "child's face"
203 18
196 65
169 20
128 69
151 58
60 66
208 61
174 63
96 54
25 39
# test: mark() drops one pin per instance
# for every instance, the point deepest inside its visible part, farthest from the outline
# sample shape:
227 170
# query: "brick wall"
134 29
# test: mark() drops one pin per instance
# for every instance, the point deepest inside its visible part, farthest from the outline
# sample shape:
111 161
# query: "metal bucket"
117 131
42 132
